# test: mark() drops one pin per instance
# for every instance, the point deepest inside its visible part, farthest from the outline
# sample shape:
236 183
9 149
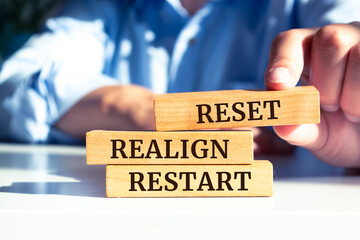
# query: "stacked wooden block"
175 163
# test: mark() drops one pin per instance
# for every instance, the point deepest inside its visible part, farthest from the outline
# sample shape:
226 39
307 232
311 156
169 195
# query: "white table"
48 192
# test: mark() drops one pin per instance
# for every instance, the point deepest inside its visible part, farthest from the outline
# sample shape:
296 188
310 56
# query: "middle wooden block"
200 147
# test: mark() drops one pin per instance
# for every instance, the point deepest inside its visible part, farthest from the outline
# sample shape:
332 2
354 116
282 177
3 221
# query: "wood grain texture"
236 108
190 180
198 147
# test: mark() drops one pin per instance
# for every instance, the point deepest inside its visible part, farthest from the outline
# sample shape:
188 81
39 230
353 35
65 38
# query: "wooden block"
200 147
236 108
189 181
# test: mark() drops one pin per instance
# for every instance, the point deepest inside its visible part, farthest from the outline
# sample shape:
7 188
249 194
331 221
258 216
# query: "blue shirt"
153 43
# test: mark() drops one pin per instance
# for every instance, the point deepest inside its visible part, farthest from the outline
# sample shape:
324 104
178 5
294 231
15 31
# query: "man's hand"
127 107
266 142
329 59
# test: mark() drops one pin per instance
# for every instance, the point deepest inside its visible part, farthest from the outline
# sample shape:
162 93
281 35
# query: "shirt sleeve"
318 13
57 68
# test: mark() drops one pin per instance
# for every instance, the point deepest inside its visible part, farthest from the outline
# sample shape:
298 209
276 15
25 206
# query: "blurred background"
19 19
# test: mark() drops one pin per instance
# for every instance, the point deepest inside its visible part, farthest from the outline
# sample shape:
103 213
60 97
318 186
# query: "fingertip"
278 75
256 148
285 131
278 78
305 135
330 108
352 118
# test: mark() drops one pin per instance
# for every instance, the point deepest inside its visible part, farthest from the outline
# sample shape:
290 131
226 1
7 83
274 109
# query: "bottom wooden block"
189 180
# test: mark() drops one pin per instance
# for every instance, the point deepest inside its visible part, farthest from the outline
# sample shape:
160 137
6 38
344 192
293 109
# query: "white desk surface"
49 192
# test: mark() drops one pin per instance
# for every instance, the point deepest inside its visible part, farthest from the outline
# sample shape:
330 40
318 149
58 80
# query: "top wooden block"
236 108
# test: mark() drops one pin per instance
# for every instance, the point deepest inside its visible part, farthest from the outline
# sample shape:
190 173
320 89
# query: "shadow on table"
81 189
44 169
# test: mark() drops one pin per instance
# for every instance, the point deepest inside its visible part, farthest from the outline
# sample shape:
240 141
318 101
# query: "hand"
129 107
266 141
329 59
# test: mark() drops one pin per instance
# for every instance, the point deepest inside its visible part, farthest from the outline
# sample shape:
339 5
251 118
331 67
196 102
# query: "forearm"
109 108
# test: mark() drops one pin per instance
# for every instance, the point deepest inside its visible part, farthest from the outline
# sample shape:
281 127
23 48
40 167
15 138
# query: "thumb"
311 136
289 53
289 56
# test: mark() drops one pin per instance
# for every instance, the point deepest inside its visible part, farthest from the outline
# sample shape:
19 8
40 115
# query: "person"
99 63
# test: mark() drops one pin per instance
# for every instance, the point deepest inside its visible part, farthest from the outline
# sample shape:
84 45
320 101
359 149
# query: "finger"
289 54
310 136
329 55
256 149
350 99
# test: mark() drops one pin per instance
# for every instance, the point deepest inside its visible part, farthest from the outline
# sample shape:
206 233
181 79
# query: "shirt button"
192 41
